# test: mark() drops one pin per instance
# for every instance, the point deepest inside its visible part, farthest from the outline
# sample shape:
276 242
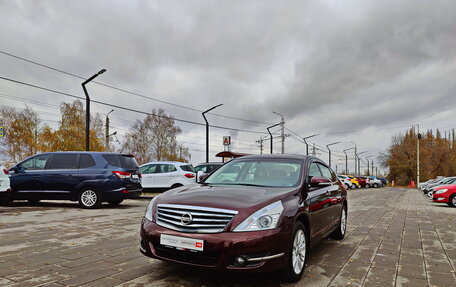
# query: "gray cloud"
328 67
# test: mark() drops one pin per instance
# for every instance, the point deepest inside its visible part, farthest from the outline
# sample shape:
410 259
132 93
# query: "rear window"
188 168
122 161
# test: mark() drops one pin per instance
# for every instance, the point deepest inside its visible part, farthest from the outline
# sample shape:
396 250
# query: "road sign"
226 140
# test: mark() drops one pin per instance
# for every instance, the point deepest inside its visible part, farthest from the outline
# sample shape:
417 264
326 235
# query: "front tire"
353 186
339 233
297 255
375 185
452 201
89 199
367 185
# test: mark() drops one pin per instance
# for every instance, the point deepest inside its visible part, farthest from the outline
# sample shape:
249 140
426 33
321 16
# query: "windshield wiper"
246 184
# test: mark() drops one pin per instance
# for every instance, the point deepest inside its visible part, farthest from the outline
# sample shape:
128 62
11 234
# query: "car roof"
87 152
167 162
278 156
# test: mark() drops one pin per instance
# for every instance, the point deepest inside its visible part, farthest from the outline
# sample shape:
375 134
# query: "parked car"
363 181
446 194
374 182
345 181
204 169
88 177
355 181
4 183
265 218
163 175
383 180
444 181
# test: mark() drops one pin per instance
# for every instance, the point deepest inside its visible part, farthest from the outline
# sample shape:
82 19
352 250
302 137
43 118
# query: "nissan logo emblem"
186 218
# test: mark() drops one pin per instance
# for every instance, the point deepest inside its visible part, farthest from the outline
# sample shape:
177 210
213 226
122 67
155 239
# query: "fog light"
240 261
441 198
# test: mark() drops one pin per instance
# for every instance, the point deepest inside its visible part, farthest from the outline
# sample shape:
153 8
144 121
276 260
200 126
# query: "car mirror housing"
318 181
201 176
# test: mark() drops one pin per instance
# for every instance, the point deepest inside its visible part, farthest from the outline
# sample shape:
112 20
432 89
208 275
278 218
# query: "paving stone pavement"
395 237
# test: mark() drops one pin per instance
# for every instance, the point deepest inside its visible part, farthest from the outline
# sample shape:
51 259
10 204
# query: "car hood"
225 196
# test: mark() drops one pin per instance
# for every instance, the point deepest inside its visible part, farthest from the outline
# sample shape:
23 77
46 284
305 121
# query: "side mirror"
12 170
200 176
317 181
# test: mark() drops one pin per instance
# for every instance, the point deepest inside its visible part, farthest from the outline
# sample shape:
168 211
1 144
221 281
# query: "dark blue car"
88 177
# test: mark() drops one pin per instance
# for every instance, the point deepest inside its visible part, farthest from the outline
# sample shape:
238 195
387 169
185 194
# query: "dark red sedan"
255 213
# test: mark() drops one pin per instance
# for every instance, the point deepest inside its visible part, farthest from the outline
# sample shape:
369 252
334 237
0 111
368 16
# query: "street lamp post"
207 130
359 161
282 124
87 131
346 159
327 146
367 159
270 134
107 131
356 155
307 145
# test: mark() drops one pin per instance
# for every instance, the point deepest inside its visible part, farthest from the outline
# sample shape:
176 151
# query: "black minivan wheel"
89 198
339 233
115 202
296 257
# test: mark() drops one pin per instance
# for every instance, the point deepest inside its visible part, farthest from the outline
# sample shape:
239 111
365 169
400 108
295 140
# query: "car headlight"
149 209
263 219
441 191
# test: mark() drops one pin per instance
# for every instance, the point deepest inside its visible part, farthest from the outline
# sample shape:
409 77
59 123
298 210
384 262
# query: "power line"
124 108
123 90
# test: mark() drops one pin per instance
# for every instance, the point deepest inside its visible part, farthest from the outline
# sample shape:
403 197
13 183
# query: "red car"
446 194
255 213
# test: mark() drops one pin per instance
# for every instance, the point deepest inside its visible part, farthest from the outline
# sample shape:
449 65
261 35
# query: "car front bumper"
263 250
440 198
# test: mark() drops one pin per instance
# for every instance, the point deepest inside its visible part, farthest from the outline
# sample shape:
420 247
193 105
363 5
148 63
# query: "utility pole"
282 125
418 138
260 141
313 150
107 131
369 171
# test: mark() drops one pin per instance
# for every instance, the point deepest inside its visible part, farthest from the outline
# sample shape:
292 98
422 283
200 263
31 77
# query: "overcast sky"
348 70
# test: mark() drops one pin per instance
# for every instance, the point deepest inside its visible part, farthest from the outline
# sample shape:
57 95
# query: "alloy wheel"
88 198
299 251
343 222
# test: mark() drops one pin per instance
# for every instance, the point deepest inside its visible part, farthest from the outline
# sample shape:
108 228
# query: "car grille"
200 258
193 219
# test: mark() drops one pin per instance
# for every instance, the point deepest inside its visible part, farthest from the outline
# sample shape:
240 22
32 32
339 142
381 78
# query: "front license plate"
134 176
182 242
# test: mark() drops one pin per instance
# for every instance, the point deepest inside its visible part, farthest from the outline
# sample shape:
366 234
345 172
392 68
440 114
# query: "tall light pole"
282 124
107 131
418 135
307 145
359 161
327 146
356 155
88 107
346 159
367 159
270 134
207 130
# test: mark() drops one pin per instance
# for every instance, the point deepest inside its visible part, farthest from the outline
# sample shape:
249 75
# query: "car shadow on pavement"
69 204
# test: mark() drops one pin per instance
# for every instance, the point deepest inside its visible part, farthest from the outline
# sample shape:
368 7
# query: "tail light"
5 171
122 174
189 175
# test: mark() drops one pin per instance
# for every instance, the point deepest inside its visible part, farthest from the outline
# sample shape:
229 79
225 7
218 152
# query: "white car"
163 175
346 181
4 183
375 182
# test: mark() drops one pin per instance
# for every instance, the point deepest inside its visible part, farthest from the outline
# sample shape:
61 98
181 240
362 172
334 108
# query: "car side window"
85 161
63 161
165 168
313 170
326 172
148 169
35 163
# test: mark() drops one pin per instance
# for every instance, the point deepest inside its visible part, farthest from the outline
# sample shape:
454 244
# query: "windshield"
260 172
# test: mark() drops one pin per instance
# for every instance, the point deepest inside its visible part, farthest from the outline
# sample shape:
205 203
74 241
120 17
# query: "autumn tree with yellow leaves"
437 157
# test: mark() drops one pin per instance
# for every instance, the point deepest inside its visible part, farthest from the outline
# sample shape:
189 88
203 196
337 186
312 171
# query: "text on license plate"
182 242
